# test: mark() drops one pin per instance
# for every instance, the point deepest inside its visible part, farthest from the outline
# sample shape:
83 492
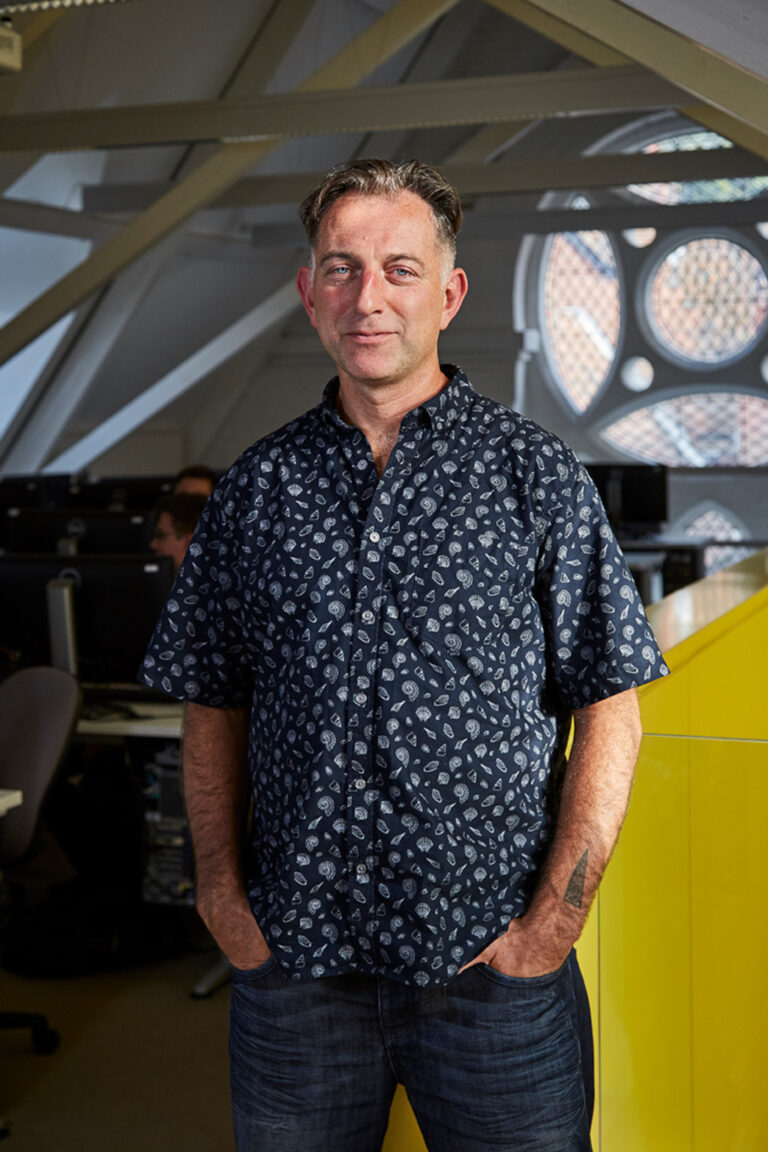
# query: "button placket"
361 798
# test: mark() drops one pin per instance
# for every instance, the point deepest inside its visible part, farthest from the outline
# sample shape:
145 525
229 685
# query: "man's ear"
304 285
455 290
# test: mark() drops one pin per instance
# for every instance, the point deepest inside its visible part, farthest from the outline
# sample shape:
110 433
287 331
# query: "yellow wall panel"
729 807
720 691
645 995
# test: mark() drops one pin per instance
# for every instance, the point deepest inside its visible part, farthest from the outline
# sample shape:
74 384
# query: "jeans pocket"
521 982
251 975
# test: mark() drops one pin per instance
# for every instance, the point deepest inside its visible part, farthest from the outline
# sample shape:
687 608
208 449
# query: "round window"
707 301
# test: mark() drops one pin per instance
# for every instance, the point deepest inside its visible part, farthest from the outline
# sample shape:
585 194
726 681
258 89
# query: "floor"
141 1065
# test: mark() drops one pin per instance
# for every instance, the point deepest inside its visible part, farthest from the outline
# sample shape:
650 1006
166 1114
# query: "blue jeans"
489 1062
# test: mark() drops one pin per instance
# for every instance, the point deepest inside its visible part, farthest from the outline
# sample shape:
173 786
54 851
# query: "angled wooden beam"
34 29
378 42
49 220
472 100
482 145
606 170
512 218
45 219
255 69
206 360
712 80
737 32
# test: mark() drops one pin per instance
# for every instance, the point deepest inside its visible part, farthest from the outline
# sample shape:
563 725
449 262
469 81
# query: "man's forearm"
215 790
594 801
215 770
595 795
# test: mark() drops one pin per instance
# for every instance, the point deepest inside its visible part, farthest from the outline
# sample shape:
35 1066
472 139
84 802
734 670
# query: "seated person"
176 517
197 479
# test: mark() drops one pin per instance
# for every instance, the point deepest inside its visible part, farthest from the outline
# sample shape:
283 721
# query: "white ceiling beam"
472 100
709 78
473 179
35 436
384 37
184 376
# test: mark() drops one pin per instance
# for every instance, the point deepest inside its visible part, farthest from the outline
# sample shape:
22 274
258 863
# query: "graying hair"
374 177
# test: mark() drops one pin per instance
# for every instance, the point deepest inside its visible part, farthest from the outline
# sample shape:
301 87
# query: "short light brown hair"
373 177
184 509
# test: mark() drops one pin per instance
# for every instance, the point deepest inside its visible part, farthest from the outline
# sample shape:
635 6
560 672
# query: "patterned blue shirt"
411 648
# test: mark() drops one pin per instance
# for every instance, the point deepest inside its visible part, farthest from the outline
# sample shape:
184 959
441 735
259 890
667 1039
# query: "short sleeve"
599 639
200 649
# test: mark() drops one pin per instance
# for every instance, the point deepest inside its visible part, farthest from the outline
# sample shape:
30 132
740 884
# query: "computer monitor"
86 530
117 601
56 490
634 495
125 492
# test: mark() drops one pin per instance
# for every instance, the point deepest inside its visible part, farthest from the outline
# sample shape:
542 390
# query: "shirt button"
374 537
362 871
368 616
360 698
360 783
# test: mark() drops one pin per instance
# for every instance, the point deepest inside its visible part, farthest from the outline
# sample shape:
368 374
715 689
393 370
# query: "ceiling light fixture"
12 7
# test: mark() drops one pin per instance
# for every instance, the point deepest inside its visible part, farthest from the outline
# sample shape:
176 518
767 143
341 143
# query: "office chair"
38 711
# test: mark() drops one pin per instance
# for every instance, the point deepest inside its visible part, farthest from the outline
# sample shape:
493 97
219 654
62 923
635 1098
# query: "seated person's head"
197 479
176 517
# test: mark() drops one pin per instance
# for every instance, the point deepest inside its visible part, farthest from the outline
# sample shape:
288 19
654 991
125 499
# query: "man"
197 479
176 518
392 610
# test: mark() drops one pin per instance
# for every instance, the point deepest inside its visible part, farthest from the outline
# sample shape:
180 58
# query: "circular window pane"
582 313
708 301
700 430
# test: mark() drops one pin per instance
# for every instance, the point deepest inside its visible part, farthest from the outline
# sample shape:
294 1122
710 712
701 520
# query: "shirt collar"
440 412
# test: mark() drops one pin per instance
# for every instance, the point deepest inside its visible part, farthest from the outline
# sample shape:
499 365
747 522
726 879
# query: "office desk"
9 798
151 736
152 720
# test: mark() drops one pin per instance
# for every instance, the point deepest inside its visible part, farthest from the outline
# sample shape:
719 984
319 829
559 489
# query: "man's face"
381 288
166 542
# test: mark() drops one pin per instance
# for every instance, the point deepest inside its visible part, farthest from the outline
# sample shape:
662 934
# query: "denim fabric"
490 1063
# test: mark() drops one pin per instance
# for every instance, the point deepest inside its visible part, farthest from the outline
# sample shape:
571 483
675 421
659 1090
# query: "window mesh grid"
582 313
702 429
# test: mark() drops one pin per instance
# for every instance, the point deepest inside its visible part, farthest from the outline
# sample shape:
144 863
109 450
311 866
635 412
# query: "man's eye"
403 273
339 270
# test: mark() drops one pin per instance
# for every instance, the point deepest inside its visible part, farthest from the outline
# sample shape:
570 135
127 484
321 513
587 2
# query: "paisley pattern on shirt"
411 649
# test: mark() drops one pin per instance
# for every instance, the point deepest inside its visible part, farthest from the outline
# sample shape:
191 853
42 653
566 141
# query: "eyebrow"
329 257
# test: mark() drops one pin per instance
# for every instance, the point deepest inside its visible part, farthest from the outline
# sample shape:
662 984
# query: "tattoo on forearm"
574 893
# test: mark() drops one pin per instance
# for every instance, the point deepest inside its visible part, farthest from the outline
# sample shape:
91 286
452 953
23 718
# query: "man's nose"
369 298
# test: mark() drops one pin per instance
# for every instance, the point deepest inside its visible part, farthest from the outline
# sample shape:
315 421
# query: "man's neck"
378 409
